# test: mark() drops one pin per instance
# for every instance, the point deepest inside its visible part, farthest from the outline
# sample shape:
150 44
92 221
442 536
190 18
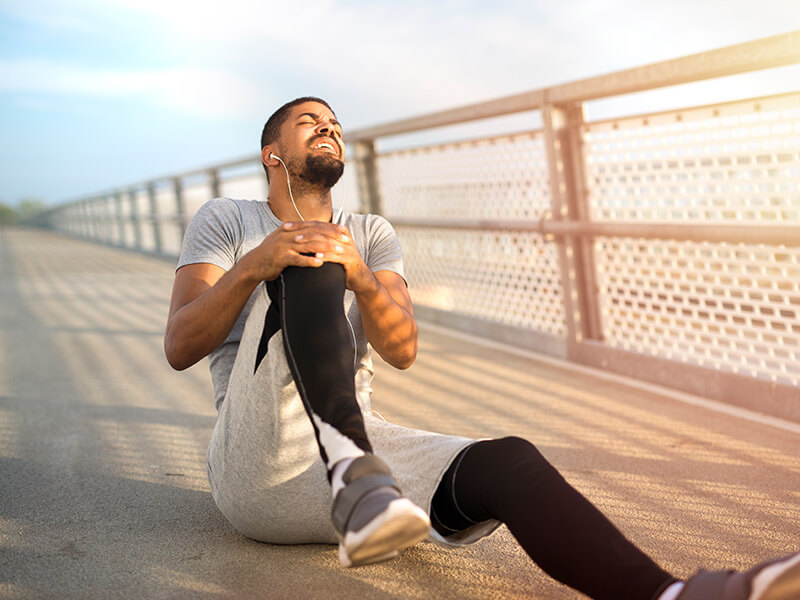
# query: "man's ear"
265 157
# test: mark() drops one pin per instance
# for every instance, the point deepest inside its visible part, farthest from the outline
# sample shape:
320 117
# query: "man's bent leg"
374 522
320 349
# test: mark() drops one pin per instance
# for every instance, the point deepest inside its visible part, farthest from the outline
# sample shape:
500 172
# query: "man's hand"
309 244
383 300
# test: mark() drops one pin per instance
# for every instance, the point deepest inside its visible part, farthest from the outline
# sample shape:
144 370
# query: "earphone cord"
336 218
289 185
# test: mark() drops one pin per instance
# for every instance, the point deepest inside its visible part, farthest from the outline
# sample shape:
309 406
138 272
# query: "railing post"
564 140
180 207
87 219
120 219
108 220
75 224
137 222
369 191
213 182
151 195
97 218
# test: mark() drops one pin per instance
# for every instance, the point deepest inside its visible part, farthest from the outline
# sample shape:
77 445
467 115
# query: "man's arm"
388 318
383 300
206 301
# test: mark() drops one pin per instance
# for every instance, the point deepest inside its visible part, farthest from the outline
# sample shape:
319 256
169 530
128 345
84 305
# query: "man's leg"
319 346
373 520
509 480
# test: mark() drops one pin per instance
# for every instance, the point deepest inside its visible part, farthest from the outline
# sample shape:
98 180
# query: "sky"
98 94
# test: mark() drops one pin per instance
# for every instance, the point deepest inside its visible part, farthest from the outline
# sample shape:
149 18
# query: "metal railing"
661 246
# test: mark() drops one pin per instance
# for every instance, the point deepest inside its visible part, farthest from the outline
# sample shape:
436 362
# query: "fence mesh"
733 307
509 278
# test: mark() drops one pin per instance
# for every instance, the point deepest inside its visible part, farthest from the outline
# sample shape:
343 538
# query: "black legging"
306 305
509 480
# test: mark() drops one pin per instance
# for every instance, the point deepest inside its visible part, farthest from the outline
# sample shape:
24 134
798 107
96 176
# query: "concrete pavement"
102 480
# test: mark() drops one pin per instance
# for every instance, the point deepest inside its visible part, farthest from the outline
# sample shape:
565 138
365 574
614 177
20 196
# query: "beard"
322 170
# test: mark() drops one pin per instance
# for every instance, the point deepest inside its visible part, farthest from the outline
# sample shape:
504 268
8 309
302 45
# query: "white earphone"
288 184
335 219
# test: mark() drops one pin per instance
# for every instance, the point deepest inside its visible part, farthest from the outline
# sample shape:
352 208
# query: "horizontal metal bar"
464 114
765 53
538 341
774 235
532 225
751 104
753 393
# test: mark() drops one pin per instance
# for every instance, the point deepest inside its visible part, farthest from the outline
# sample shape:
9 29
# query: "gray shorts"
264 466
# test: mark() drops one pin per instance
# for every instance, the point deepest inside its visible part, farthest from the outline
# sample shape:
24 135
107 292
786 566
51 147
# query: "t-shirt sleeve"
213 235
384 252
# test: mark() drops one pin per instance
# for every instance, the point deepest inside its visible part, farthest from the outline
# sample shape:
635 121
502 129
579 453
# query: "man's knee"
329 278
510 457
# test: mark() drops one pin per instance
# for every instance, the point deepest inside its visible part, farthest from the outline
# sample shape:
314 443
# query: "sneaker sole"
780 581
401 525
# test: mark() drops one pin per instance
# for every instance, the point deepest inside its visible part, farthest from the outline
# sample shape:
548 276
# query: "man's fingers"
303 260
318 243
310 228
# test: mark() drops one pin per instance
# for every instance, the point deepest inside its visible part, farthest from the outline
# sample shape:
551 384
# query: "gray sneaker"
373 520
774 580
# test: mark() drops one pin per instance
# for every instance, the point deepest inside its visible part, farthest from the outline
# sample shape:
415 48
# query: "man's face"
311 144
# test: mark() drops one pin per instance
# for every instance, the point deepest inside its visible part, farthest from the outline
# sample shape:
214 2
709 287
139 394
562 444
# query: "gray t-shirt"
224 230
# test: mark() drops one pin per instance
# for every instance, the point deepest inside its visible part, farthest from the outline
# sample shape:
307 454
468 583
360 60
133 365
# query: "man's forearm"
200 326
390 328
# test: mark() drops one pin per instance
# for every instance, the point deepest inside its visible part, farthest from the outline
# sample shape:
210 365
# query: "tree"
28 207
8 216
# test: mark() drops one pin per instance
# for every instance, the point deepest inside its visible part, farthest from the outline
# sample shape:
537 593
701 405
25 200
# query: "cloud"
203 92
222 65
387 59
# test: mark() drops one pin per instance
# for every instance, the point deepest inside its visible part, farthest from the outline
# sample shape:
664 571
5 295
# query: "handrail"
775 234
775 51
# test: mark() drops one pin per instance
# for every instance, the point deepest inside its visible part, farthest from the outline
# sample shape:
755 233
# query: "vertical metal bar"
78 211
88 218
151 195
73 220
579 210
108 230
180 207
213 182
137 222
568 192
100 218
120 219
99 221
369 191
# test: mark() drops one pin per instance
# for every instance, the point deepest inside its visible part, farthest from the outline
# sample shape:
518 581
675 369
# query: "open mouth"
327 146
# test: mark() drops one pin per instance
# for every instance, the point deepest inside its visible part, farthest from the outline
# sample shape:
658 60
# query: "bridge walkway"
102 481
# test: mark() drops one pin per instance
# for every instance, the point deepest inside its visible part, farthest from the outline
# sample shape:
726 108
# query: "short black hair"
273 125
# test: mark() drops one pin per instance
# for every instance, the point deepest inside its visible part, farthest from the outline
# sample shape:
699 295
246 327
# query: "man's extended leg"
374 521
509 480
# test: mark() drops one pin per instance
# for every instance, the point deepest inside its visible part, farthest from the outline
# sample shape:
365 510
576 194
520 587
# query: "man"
283 296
